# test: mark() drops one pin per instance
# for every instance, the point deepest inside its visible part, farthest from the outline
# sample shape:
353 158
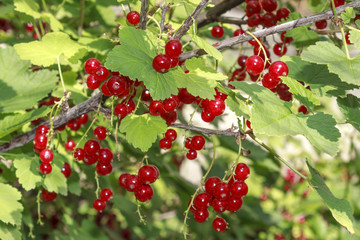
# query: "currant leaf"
142 130
276 119
354 37
14 75
348 15
237 104
336 60
11 208
208 48
56 181
27 171
9 232
317 6
340 208
350 107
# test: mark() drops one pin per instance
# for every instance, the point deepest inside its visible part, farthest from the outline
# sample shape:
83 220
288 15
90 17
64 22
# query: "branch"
213 14
236 21
75 112
143 14
164 9
190 20
268 31
206 131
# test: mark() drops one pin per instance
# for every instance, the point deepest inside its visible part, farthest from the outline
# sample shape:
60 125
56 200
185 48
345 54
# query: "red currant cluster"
166 142
221 196
76 123
194 144
140 184
166 108
163 62
40 143
31 29
213 108
105 195
98 73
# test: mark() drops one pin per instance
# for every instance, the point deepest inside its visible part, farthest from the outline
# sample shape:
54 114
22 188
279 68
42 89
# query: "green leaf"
14 75
317 6
10 207
208 48
13 122
142 130
74 184
27 171
97 45
8 232
55 25
273 117
340 208
52 46
304 95
348 15
237 104
357 22
107 14
350 107
336 60
56 181
316 76
354 37
28 7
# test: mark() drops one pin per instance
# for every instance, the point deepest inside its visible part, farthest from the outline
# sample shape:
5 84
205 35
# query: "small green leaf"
8 232
340 208
13 122
354 37
336 60
55 25
10 207
28 7
317 6
142 130
357 22
56 181
348 15
52 46
74 184
304 95
14 75
350 107
208 48
97 45
27 171
237 104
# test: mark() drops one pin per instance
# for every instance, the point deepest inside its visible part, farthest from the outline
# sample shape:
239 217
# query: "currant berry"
238 32
122 179
202 200
69 145
171 134
248 124
99 205
105 90
188 144
173 48
132 183
66 170
217 31
216 107
144 193
279 68
29 27
347 39
101 74
48 196
252 7
83 119
105 156
280 49
191 154
269 5
165 143
92 147
133 17
285 39
185 96
42 129
156 108
337 3
40 141
239 74
219 205
91 65
270 81
234 204
238 189
161 63
241 61
201 215
121 110
254 65
169 105
302 109
321 24
92 83
197 142
45 168
145 96
254 20
148 174
210 184
79 154
46 156
207 116
116 85
100 132
282 13
221 191
219 224
106 194
174 62
103 169
242 172
169 117
269 19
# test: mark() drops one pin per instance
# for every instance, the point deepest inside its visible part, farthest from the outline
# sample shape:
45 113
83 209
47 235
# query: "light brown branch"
206 130
164 9
143 14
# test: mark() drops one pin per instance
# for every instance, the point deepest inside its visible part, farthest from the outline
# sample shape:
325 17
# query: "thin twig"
206 130
236 21
143 14
81 20
164 9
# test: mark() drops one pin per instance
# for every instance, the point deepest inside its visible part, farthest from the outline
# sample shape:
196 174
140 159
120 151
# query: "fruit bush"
179 119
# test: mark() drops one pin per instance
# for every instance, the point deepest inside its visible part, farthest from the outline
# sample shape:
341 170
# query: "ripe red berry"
221 191
207 116
269 19
92 83
282 13
270 81
148 174
165 143
29 27
238 32
219 224
169 117
132 183
169 105
197 142
201 215
279 69
144 193
347 39
122 179
66 170
116 85
238 189
83 119
241 61
105 156
173 48
40 141
46 156
161 63
254 65
156 108
269 5
191 154
174 62
216 107
234 204
242 172
210 184
219 205
101 73
133 17
99 205
79 154
42 129
92 147
171 134
202 200
248 124
105 90
285 39
69 145
48 196
106 194
252 8
185 96
100 132
217 31
45 168
302 109
254 20
321 24
337 3
103 169
91 65
280 49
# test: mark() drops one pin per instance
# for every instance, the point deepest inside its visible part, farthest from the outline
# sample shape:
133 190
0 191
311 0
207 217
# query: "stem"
44 5
39 221
81 20
138 211
97 185
116 140
123 8
37 31
261 46
60 73
341 29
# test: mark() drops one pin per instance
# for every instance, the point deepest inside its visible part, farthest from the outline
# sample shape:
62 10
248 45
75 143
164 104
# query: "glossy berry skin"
197 142
185 96
106 194
302 109
116 85
101 73
156 108
248 124
219 205
252 8
282 13
105 156
48 196
46 156
169 105
105 90
254 20
321 24
99 205
221 191
66 170
42 129
79 154
133 17
201 215
337 3
269 5
92 83
103 169
269 20
144 193
165 143
285 39
234 204
132 183
122 179
217 31
161 63
202 200
280 49
238 189
173 48
191 154
270 81
121 110
174 62
242 172
40 141
211 183
148 174
69 145
29 27
215 107
241 61
219 224
169 117
91 65
254 65
347 39
238 32
45 168
206 116
171 134
279 69
92 147
100 132
188 144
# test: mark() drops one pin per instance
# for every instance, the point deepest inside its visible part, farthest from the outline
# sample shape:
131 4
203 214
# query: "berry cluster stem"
60 74
341 29
39 221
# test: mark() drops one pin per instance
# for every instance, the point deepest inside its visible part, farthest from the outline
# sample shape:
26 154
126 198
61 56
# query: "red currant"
221 191
121 110
174 62
217 31
66 170
79 154
169 117
248 124
241 61
161 63
45 168
116 85
321 24
92 83
242 171
83 119
279 68
132 183
40 141
103 169
90 159
91 65
219 205
269 19
210 184
169 105
101 73
216 107
100 132
197 142
29 27
42 129
148 174
201 215
269 5
285 39
337 3
144 193
254 65
202 200
185 96
48 196
105 156
69 145
46 156
238 189
156 108
106 194
122 179
99 205
105 90
165 143
270 81
191 154
133 17
254 20
234 204
302 109
238 32
252 8
207 116
173 48
219 224
280 49
92 147
171 134
282 13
